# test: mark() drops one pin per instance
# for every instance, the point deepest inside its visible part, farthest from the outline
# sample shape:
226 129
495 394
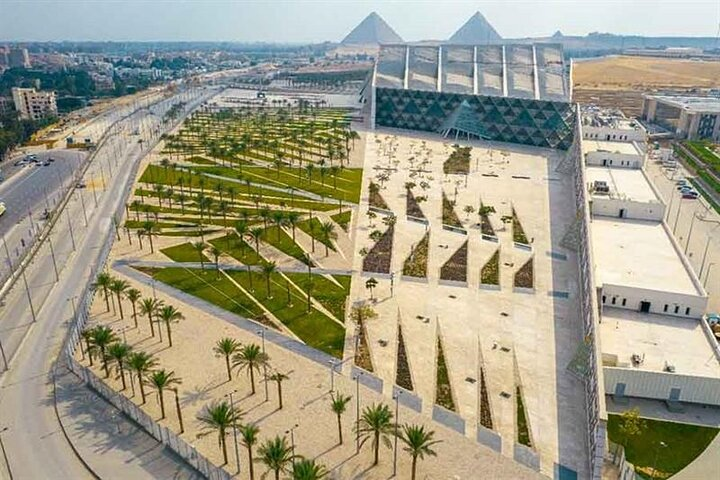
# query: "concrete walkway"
110 444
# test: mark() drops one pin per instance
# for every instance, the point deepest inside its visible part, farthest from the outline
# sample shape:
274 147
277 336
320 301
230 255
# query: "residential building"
19 58
692 118
33 104
611 126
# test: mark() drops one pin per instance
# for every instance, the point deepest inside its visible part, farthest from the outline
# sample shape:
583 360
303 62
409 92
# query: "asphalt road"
34 441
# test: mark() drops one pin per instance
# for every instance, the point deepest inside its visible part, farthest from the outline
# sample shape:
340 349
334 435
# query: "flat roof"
698 104
640 254
615 147
660 339
625 183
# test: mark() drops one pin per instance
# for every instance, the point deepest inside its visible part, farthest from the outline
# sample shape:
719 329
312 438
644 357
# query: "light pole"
262 334
397 413
692 223
677 216
707 275
357 411
237 453
4 358
2 447
291 431
657 453
52 254
9 259
72 234
27 292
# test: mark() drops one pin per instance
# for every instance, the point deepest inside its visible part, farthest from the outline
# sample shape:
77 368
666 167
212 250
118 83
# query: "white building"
623 193
612 128
613 154
687 117
33 104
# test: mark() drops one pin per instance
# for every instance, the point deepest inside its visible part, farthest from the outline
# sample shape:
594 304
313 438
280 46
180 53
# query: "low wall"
658 385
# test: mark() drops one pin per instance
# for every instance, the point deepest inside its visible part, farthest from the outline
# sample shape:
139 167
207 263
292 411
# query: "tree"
278 378
103 280
216 252
249 434
376 424
141 363
276 454
219 417
161 380
150 229
149 306
338 404
418 443
169 314
327 230
268 269
89 347
256 234
118 353
250 358
226 347
133 295
292 220
199 247
308 469
631 425
278 219
370 284
118 287
241 227
102 337
469 209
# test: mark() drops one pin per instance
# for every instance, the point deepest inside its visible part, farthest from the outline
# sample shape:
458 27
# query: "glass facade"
539 123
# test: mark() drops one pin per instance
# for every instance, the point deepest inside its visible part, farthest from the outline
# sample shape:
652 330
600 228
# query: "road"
34 441
32 189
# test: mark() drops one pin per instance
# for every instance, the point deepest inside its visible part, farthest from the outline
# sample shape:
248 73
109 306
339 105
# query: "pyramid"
476 31
463 120
371 31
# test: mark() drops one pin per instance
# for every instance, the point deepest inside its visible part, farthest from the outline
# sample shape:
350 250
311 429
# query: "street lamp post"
692 223
52 254
9 259
2 447
27 292
291 431
357 411
657 454
397 414
704 257
4 358
72 234
262 334
235 439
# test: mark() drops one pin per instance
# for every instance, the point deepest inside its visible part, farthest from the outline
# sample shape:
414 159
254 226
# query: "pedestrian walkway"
110 444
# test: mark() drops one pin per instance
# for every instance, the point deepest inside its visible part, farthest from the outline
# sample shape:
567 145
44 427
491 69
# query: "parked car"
682 181
46 163
80 185
691 195
3 208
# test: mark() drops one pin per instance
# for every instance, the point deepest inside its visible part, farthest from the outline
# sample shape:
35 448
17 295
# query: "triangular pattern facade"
539 123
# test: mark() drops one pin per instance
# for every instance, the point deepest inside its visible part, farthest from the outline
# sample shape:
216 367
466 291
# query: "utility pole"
27 292
52 254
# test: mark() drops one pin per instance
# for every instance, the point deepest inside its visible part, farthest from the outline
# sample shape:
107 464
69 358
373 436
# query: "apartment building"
32 104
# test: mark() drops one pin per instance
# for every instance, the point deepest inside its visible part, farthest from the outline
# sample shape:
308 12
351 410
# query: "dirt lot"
621 81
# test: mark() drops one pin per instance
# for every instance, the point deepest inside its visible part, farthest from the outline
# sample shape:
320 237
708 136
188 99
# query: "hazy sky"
320 20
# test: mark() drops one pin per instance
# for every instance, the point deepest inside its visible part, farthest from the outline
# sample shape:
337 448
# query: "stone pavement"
110 444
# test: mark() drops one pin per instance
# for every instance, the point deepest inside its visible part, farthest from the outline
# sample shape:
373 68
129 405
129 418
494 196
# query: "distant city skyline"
297 21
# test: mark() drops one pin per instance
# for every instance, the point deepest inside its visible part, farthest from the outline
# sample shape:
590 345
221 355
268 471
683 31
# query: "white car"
2 208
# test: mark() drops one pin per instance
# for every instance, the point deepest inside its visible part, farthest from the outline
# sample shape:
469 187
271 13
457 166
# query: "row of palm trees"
154 309
103 343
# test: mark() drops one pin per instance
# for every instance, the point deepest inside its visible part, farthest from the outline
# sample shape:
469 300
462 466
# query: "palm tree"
133 295
89 347
376 424
118 353
278 219
226 347
256 234
276 454
241 227
150 229
292 219
250 358
327 230
160 380
219 417
268 269
418 443
199 248
338 404
249 435
141 363
223 208
103 280
307 469
370 284
118 287
149 306
278 378
169 314
102 337
216 252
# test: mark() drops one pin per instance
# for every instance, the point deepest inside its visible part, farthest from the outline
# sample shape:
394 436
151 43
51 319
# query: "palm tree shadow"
199 393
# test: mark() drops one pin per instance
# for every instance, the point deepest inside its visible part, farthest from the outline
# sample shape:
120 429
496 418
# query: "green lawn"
324 291
184 252
206 284
701 150
238 249
283 242
314 328
684 443
343 219
314 229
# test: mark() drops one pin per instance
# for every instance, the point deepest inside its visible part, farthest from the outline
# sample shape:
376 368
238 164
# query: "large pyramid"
476 31
372 31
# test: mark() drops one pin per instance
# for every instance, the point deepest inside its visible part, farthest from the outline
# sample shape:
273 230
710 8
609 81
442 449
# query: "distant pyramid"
476 31
372 30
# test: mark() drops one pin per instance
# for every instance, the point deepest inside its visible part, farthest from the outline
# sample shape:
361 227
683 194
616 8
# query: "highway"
35 444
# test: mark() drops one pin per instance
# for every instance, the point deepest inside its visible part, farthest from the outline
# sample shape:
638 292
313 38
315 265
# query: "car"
80 185
50 159
682 181
46 163
691 195
20 163
2 208
683 187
